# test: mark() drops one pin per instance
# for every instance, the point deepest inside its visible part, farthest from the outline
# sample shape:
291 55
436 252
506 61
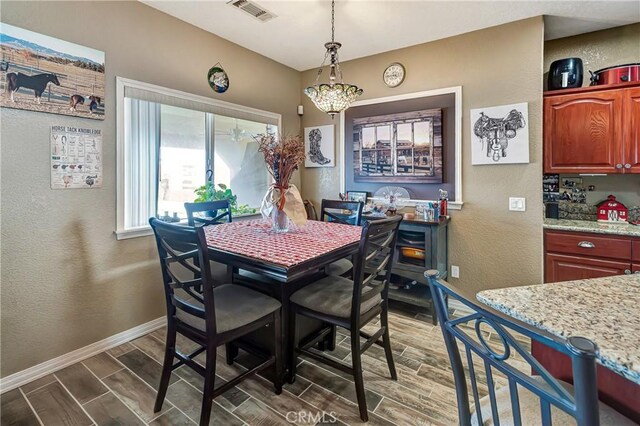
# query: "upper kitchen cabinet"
592 130
632 137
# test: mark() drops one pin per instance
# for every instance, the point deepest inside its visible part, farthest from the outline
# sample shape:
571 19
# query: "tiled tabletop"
254 238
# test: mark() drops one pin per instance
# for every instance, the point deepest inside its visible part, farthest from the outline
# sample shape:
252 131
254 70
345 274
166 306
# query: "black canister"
552 211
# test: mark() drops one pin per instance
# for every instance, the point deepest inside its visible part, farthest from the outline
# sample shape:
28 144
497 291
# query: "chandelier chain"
333 21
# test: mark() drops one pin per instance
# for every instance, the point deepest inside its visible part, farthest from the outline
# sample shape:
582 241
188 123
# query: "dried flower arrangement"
283 157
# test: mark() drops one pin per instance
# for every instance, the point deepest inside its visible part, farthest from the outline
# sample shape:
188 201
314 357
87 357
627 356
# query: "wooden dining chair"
334 211
212 212
523 399
351 304
211 317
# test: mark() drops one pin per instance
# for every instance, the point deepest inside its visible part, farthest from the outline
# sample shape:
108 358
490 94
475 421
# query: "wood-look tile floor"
117 387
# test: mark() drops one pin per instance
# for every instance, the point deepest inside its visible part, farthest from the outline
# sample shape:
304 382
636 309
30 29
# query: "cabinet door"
560 267
583 133
631 127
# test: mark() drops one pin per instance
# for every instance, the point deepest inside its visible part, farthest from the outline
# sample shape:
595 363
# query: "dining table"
279 264
604 310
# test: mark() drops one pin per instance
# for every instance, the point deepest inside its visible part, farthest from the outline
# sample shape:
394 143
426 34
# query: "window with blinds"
170 143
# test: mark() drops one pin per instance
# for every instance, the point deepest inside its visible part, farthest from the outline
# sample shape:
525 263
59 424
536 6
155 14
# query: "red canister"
443 207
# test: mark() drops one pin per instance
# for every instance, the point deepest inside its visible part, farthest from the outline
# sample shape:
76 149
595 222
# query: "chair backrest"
186 272
581 403
353 218
210 212
372 265
310 209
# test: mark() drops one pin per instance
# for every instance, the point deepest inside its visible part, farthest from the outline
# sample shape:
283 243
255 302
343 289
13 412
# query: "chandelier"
336 96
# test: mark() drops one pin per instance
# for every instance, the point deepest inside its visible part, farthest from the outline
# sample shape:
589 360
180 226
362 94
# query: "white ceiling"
366 27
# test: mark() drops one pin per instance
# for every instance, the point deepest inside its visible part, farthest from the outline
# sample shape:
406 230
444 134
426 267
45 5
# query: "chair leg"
209 383
386 341
277 352
169 354
357 374
231 351
331 338
293 345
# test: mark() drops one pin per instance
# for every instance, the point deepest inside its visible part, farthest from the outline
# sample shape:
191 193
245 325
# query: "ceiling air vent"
253 9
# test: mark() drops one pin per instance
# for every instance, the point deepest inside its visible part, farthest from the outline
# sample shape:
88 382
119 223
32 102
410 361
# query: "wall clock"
393 76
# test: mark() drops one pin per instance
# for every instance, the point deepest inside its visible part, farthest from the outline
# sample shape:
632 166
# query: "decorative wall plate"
218 78
394 74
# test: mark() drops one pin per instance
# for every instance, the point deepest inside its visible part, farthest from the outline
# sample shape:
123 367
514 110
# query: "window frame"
121 83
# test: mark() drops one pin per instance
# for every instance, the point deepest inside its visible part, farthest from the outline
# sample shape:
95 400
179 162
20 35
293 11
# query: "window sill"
145 231
125 234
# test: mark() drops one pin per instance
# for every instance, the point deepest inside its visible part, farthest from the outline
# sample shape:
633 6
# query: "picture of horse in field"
36 82
44 74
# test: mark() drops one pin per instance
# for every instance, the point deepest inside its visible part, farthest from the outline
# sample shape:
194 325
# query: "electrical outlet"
517 204
455 271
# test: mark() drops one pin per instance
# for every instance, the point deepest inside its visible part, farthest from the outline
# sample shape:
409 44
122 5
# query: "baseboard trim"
37 371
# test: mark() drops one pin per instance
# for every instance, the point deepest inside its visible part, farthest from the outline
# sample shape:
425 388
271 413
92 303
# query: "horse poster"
500 135
44 74
319 146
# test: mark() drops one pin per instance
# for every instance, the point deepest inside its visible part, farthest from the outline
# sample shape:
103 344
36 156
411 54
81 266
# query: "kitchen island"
604 310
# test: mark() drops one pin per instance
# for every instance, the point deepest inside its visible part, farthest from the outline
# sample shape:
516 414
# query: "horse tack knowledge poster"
76 157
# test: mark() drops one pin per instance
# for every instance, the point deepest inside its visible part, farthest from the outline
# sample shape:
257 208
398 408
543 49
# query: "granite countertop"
593 227
605 310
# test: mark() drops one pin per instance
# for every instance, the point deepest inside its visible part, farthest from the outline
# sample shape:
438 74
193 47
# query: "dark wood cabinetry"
559 267
632 138
592 130
635 251
576 255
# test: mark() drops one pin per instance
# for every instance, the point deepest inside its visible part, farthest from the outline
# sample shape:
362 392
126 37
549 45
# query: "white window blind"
228 110
142 142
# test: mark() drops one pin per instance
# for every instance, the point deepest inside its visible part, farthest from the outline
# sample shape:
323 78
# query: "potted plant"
211 192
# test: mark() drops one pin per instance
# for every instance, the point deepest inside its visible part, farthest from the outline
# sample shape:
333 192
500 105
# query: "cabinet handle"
627 271
627 166
586 244
619 166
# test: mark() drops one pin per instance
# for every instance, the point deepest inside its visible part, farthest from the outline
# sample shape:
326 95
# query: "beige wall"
599 49
66 281
495 66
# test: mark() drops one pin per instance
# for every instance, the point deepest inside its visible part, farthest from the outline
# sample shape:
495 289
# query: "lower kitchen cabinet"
578 255
560 267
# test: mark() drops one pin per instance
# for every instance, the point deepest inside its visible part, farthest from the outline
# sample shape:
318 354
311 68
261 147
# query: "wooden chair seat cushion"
236 306
332 295
530 410
339 267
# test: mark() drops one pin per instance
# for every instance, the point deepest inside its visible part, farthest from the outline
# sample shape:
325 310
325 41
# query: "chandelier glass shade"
336 96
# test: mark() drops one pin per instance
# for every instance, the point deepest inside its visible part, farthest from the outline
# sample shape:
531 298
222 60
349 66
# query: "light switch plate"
455 271
517 204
